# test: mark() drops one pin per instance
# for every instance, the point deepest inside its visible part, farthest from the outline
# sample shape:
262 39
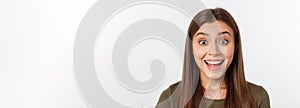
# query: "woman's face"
213 48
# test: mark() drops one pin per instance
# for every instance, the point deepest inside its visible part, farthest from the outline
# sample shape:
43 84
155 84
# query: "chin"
215 75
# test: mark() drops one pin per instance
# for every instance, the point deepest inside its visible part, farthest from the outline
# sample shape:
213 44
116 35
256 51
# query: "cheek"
229 51
198 53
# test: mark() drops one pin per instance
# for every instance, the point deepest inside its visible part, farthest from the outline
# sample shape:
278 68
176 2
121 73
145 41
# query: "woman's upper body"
169 97
213 69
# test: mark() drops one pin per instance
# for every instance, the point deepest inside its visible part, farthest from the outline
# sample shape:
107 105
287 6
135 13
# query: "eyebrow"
224 32
201 33
220 33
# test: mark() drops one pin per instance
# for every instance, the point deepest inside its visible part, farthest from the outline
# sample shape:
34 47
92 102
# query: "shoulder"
174 86
166 93
260 95
168 97
257 90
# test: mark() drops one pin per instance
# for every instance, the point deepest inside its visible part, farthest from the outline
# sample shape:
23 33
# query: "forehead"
215 27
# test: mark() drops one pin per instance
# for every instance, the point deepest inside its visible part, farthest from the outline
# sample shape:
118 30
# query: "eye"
203 42
223 42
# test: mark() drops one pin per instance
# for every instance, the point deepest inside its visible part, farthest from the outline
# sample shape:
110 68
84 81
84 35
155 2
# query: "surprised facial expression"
213 48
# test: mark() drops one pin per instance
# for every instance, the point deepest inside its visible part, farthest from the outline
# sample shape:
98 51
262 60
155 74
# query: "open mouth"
214 64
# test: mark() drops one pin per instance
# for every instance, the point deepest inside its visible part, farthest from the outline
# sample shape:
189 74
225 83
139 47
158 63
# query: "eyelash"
201 42
226 41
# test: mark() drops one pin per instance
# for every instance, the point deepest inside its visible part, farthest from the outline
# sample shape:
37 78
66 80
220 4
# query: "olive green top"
169 97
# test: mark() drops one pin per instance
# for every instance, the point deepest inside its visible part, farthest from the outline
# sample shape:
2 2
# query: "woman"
213 71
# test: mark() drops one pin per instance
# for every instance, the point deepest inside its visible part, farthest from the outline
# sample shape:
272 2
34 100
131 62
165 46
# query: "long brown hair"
191 91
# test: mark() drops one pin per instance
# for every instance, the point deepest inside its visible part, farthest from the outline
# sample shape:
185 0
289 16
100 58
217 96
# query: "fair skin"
213 48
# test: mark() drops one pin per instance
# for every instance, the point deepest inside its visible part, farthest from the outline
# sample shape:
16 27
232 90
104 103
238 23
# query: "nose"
214 50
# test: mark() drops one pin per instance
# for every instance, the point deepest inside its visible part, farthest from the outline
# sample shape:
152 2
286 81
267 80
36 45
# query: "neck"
214 88
212 84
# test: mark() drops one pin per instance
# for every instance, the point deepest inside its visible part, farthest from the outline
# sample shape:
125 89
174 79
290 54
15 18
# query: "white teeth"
214 62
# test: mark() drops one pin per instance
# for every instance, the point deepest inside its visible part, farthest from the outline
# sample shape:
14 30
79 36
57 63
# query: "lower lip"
214 67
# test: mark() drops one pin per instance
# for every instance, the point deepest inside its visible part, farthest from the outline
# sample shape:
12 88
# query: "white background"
37 37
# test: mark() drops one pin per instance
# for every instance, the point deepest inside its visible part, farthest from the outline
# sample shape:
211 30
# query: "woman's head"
213 51
213 33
